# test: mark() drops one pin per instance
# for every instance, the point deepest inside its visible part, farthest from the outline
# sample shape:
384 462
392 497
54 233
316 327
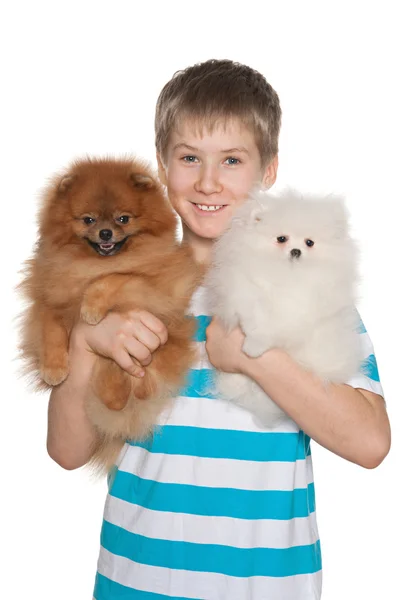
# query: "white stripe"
218 414
202 357
198 305
212 586
366 344
199 529
217 472
365 383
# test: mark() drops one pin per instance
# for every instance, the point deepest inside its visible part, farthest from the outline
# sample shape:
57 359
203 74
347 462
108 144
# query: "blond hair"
214 92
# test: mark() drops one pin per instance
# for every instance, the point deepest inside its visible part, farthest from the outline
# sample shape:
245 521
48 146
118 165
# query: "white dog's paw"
255 345
232 386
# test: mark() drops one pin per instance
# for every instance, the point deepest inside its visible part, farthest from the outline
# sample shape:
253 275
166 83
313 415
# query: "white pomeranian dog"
286 272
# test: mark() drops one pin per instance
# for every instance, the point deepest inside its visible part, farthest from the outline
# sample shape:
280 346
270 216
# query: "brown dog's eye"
282 239
123 219
88 220
310 243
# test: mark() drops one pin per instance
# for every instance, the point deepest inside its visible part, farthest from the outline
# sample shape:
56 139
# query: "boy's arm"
349 421
71 438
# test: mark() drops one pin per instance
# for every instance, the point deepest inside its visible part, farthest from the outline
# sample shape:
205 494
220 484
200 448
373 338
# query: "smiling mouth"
209 207
107 248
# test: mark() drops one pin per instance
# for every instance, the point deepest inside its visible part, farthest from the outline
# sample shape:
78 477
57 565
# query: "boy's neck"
202 247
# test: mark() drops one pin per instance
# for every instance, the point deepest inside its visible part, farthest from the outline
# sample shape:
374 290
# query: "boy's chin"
211 233
208 231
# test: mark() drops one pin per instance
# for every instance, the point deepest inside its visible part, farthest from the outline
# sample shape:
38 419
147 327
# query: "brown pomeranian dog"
107 242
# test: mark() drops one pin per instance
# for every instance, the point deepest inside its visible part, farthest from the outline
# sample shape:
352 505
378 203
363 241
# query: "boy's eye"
309 243
231 160
189 159
89 220
123 219
282 239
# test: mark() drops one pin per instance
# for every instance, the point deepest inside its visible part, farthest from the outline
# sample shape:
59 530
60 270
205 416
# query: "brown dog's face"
106 215
104 233
104 204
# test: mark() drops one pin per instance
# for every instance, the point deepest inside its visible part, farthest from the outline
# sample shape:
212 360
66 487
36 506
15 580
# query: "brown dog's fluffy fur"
79 271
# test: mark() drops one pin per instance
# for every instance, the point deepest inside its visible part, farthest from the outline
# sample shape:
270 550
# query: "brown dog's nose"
105 234
295 253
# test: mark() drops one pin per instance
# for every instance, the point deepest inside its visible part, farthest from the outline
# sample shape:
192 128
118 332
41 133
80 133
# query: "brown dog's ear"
66 183
142 181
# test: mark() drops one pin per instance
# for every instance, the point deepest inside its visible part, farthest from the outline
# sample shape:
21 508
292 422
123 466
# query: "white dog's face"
293 247
298 231
297 243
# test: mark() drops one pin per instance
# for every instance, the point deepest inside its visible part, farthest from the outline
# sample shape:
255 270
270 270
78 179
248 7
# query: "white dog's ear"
256 215
339 215
248 215
258 205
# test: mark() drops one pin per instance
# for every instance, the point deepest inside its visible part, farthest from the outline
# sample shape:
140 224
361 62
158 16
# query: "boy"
213 506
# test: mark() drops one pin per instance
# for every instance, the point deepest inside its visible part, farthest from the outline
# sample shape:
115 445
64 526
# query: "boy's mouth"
209 207
107 248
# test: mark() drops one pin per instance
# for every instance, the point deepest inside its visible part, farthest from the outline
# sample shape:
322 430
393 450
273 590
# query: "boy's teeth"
205 207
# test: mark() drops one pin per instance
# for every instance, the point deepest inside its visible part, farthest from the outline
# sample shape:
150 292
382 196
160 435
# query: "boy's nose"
208 182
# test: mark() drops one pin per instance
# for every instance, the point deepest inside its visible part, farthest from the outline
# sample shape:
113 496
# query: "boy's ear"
270 173
162 175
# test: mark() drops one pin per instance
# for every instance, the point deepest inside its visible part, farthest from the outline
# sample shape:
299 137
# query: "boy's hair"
216 91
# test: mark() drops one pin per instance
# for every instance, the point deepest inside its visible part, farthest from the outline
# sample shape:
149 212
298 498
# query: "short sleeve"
368 376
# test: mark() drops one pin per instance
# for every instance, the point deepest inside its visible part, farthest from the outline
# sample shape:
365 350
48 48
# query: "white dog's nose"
295 253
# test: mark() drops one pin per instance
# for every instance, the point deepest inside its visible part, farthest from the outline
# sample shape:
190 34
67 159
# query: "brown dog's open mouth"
107 248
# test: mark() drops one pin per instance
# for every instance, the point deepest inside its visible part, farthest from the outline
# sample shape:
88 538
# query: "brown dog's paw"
54 375
111 384
92 313
141 389
114 403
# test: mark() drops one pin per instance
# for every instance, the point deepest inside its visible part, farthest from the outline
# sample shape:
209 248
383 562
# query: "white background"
84 78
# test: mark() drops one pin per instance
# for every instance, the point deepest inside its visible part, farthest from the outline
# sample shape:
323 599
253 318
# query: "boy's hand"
128 339
225 349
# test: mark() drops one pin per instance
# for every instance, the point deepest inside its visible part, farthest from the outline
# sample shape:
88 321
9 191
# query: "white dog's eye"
282 239
309 243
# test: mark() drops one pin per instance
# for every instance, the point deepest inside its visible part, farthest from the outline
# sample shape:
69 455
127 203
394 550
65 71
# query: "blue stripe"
226 443
211 558
200 383
361 327
370 368
217 502
106 589
202 323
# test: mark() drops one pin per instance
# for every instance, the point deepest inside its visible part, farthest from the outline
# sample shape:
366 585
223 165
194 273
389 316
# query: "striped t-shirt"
213 506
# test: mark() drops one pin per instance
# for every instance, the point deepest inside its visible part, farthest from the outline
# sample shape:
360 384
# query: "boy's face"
209 175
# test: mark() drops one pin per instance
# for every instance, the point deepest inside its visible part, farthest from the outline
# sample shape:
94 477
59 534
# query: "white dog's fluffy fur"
303 304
